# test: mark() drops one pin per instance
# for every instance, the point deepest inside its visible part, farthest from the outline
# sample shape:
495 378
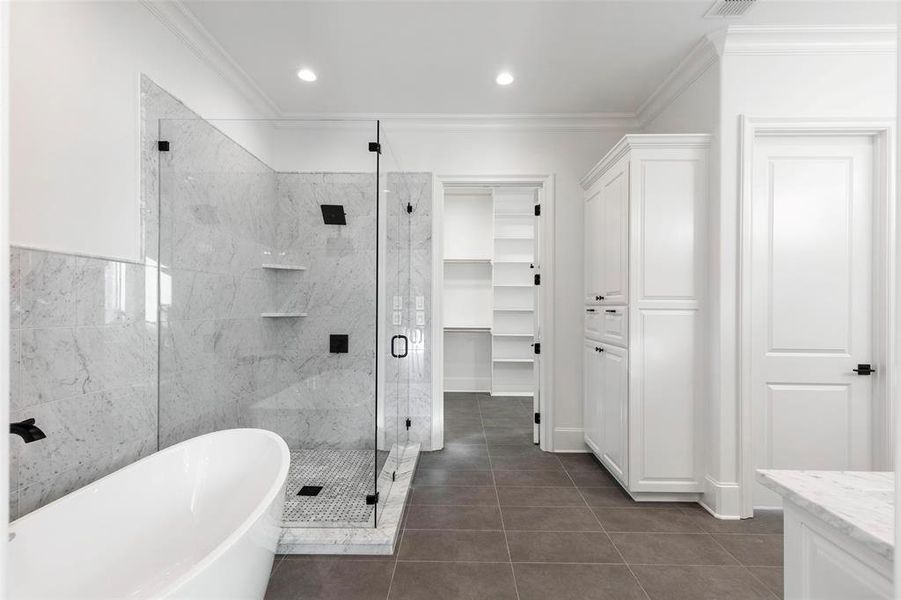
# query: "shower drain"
343 478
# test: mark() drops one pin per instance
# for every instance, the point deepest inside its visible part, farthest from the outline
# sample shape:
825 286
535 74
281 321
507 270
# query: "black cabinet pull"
611 310
864 369
589 310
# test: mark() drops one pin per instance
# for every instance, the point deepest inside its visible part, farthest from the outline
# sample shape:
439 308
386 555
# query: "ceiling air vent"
725 9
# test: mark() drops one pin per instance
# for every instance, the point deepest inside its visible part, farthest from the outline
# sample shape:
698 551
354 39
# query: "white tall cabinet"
645 284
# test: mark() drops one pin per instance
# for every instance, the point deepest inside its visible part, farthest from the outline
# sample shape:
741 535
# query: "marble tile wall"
216 229
83 365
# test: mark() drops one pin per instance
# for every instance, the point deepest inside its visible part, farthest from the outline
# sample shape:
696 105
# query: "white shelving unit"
489 291
513 291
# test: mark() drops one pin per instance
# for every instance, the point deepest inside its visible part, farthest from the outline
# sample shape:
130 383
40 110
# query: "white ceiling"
441 57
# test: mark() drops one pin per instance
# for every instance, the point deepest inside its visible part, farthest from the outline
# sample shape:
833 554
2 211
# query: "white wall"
75 76
764 84
492 151
4 278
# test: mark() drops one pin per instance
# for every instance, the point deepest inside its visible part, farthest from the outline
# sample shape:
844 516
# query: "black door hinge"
537 210
537 278
375 147
537 347
409 423
372 498
409 208
162 146
538 418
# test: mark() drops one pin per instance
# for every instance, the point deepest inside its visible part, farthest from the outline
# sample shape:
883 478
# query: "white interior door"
811 304
536 316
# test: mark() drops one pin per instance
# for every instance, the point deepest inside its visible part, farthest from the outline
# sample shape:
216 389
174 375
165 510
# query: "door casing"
885 261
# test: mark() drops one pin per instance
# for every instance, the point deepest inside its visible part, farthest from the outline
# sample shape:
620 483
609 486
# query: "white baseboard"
721 499
569 439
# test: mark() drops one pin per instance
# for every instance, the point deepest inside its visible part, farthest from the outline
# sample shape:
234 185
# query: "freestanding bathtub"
200 519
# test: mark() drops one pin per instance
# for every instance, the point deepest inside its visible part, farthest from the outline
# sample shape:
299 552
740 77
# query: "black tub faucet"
27 430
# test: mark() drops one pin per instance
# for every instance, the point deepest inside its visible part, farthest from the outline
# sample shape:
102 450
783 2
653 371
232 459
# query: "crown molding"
638 141
549 122
702 56
864 39
182 22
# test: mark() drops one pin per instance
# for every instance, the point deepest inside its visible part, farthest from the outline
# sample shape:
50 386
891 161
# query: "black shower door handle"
406 346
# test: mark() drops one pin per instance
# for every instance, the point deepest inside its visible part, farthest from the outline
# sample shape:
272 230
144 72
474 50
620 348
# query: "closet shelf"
467 260
277 267
523 335
519 310
283 315
514 285
514 237
513 360
467 328
513 262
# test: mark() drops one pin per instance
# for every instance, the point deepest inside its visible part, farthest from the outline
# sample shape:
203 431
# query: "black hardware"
589 310
406 346
409 423
538 418
372 498
310 490
537 210
333 214
338 343
393 475
162 146
27 430
409 208
537 278
596 349
598 297
375 147
611 310
864 369
537 347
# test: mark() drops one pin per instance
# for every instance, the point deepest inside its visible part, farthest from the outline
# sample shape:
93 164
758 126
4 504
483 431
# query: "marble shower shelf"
283 315
276 267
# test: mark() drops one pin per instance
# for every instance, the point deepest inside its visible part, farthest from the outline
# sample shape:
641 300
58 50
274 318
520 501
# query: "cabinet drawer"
608 324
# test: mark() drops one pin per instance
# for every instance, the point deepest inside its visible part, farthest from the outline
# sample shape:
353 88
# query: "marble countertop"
860 504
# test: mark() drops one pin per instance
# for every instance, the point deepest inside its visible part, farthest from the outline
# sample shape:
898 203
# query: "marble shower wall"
218 357
408 381
83 365
329 398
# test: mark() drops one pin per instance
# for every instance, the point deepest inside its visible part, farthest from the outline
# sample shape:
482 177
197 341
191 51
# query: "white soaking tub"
200 519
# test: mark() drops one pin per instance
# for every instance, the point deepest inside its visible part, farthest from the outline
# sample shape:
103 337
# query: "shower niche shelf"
277 267
283 315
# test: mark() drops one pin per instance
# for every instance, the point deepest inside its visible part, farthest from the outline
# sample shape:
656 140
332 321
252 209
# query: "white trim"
570 440
547 184
179 19
721 499
635 141
863 39
4 280
885 352
700 58
552 122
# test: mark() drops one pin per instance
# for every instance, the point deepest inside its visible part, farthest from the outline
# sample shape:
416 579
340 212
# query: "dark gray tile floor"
492 517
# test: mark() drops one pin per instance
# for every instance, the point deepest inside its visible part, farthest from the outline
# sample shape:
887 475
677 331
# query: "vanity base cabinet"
824 563
645 247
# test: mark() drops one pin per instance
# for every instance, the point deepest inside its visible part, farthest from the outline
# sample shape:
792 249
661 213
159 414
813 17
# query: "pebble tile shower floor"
491 517
346 476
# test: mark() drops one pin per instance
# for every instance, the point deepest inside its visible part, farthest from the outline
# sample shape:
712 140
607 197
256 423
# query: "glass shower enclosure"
284 304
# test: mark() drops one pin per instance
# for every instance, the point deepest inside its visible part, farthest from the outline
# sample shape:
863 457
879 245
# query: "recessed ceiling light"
306 75
504 78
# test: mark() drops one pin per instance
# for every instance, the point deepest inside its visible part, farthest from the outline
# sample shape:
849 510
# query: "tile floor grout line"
609 539
499 510
741 564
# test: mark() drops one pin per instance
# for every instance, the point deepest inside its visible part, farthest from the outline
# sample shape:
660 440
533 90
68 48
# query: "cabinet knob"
611 310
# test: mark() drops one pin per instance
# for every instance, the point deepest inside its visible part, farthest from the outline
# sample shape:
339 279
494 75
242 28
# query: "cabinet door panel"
593 251
615 241
592 375
614 409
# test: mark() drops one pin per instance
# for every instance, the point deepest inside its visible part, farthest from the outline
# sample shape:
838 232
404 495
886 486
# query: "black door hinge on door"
538 418
409 423
162 146
537 278
375 147
372 498
537 210
537 347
